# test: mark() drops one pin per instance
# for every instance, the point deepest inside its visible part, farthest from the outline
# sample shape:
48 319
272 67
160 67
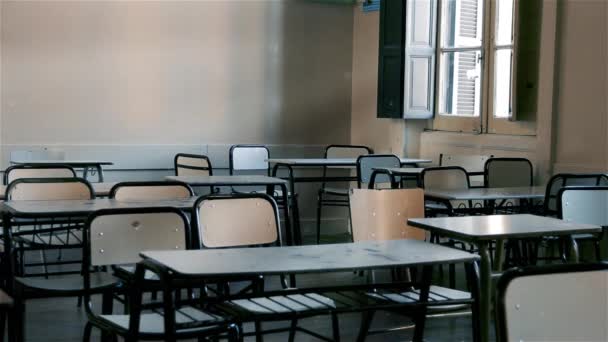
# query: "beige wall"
175 72
581 101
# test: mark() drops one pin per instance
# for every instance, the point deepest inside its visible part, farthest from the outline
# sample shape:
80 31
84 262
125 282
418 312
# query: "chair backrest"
237 220
445 178
346 151
43 189
192 165
553 303
117 236
561 180
587 205
471 163
367 163
474 164
508 172
15 172
248 158
383 214
142 191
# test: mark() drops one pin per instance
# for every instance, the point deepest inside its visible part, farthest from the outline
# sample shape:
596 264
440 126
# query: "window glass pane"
461 23
460 82
502 82
504 22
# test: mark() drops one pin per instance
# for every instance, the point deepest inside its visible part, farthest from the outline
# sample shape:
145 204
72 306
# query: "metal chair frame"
36 167
292 196
336 199
196 219
598 178
139 286
450 210
31 239
117 186
560 214
472 173
512 274
493 160
177 165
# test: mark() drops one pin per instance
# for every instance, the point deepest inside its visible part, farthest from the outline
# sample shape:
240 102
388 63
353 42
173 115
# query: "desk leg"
499 259
573 256
85 172
288 232
420 317
99 173
485 313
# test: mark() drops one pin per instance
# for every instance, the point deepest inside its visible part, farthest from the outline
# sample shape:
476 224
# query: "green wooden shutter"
527 30
390 61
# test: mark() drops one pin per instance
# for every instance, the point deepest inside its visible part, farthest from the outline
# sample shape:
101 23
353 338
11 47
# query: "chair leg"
258 332
86 336
292 330
234 334
2 325
296 221
16 322
366 322
335 327
319 207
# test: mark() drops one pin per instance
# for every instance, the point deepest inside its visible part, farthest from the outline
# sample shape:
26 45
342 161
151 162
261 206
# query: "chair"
378 215
508 172
336 197
474 164
249 158
553 303
588 205
58 235
558 181
365 166
7 305
43 234
445 178
116 237
253 159
217 226
141 191
15 172
192 165
256 225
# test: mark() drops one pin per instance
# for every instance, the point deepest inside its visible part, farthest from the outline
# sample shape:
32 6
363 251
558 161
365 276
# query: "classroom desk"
235 262
100 189
292 237
488 195
290 163
95 165
413 173
482 230
394 172
67 209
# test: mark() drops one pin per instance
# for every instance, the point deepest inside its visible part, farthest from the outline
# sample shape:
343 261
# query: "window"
458 63
475 57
